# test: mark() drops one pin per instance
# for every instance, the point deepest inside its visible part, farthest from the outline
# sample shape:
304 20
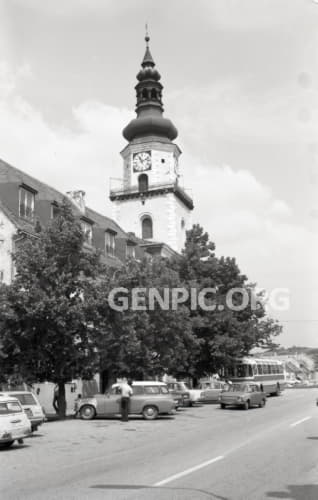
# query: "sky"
241 85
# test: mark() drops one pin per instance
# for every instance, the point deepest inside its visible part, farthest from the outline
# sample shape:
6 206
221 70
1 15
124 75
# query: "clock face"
142 161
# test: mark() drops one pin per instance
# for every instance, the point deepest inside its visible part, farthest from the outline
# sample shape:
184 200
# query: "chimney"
78 198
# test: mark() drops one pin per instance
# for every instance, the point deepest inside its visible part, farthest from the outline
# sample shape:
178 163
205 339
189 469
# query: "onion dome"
149 107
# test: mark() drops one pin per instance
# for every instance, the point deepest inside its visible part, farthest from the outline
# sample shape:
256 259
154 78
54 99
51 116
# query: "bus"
268 373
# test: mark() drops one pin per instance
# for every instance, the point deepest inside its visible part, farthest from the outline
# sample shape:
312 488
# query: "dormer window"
54 210
110 243
26 202
87 229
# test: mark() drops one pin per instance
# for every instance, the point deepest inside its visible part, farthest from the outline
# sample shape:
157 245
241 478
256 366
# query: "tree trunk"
61 400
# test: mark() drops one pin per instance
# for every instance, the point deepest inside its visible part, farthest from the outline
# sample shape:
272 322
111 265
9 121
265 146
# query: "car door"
255 399
110 404
136 400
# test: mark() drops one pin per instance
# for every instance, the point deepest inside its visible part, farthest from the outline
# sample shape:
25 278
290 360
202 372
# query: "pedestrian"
56 399
126 393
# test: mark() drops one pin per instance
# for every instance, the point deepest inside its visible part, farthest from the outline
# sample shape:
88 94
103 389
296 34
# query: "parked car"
180 392
14 423
149 399
31 406
212 393
245 395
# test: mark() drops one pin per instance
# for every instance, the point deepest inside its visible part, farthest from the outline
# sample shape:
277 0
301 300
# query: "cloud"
242 214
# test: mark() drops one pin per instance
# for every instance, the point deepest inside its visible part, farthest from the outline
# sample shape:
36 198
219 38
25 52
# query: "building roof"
45 196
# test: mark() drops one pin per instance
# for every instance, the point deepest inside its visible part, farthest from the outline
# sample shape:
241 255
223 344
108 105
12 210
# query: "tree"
147 341
45 332
225 332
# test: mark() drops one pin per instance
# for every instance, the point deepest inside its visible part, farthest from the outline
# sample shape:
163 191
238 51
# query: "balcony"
119 192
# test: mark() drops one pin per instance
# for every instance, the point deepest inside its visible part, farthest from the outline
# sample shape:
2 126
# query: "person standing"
126 393
56 399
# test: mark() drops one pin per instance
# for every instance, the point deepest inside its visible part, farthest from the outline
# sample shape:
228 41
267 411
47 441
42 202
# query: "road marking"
189 471
300 421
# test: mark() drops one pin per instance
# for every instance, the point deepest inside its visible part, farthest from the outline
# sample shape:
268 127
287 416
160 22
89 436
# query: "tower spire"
147 60
149 107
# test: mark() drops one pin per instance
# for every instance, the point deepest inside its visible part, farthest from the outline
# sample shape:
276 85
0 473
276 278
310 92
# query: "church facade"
150 200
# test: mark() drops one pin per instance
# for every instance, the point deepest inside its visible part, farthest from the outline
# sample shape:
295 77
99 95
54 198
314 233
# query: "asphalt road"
201 453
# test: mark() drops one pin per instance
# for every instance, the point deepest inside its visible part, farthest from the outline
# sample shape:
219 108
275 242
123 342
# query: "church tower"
150 200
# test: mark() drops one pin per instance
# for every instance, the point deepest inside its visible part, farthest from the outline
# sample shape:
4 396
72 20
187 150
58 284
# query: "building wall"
7 231
166 211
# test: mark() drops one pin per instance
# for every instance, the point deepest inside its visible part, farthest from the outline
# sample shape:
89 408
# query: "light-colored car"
180 393
245 395
149 399
31 406
212 393
14 423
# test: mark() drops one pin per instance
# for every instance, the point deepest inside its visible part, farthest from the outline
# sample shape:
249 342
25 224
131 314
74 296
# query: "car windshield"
238 388
10 407
25 399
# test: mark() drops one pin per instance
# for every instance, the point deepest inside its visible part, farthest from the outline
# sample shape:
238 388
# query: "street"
200 453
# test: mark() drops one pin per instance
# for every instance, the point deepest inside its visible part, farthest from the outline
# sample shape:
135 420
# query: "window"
26 203
146 228
130 251
152 389
260 369
164 390
54 210
1 276
25 399
138 390
10 407
143 183
87 229
109 243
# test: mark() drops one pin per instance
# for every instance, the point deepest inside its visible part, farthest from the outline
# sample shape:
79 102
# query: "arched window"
143 183
144 94
153 94
146 228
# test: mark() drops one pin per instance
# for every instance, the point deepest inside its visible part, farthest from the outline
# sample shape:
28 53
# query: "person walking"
126 393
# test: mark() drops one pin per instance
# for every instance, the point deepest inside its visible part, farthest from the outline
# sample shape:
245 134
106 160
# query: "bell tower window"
153 94
143 183
146 228
144 94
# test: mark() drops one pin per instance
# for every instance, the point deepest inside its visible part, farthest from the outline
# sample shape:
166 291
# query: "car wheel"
150 412
34 428
246 405
7 444
262 403
222 406
87 412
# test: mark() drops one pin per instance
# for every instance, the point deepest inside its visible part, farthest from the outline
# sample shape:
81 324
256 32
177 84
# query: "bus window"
269 368
260 369
254 370
265 370
244 371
